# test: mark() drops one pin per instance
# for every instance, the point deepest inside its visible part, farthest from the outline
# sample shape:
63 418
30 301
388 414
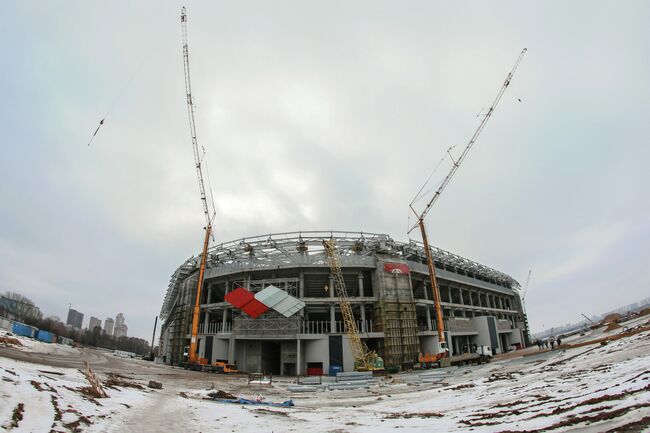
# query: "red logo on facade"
396 268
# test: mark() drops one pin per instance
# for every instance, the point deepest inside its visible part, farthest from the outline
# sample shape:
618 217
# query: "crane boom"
198 160
334 260
471 142
420 217
198 156
362 358
523 293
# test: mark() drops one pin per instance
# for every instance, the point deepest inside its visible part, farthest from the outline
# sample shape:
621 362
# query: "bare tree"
21 307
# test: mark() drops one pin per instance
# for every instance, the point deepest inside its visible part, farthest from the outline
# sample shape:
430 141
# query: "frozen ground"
592 388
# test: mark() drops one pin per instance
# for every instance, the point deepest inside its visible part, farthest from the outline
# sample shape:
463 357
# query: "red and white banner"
396 268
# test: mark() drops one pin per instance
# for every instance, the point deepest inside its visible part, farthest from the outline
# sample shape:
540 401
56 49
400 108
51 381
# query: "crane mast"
362 358
441 188
198 160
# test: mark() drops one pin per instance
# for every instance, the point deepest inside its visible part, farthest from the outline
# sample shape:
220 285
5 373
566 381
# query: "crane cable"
123 89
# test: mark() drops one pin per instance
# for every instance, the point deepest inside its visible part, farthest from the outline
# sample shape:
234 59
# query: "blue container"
335 369
45 336
24 330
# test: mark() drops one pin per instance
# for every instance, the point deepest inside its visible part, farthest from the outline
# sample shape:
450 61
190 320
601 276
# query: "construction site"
330 302
327 330
388 288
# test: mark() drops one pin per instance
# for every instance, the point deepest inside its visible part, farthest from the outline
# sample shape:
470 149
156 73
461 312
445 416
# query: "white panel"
271 296
289 306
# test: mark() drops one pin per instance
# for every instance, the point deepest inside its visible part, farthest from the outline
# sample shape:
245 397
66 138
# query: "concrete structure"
93 323
108 326
75 318
388 285
120 327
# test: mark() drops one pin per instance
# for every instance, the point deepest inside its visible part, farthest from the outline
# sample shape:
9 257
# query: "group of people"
541 344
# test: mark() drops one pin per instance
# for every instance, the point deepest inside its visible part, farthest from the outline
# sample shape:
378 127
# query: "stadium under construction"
298 327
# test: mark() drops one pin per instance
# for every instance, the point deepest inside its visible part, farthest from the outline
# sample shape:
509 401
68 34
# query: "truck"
481 355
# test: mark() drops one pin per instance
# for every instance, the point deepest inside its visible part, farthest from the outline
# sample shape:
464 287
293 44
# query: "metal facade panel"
271 296
254 308
289 306
239 297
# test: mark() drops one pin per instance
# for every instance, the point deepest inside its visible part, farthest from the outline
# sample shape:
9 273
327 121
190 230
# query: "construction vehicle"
364 359
225 367
442 348
222 366
193 361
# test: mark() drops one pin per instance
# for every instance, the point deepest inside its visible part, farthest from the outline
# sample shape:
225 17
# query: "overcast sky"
323 115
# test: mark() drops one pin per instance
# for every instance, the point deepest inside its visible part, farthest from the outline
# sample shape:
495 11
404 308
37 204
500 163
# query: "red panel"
396 268
314 371
254 308
239 297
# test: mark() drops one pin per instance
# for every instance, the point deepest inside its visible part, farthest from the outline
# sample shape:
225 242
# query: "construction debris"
155 385
95 384
287 403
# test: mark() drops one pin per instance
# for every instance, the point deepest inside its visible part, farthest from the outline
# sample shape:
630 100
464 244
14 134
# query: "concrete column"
206 322
363 318
231 350
460 294
298 358
426 290
224 320
332 318
471 298
331 286
500 303
361 294
429 327
301 285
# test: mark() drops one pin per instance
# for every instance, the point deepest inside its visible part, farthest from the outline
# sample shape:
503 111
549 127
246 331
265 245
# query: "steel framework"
306 247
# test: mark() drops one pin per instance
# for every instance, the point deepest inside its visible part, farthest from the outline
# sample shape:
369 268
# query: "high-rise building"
93 323
108 326
75 318
120 327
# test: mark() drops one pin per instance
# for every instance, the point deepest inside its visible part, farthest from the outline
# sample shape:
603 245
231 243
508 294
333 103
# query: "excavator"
364 359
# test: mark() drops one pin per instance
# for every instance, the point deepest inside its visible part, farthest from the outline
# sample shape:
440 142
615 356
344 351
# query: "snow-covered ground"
592 388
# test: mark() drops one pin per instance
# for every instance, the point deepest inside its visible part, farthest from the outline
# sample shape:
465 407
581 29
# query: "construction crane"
193 360
364 360
442 345
523 303
523 292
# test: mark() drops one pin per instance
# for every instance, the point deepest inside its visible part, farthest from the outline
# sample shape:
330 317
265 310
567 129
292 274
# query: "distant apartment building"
75 318
120 327
108 326
93 323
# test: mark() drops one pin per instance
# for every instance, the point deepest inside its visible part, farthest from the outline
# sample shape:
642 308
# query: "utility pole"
153 337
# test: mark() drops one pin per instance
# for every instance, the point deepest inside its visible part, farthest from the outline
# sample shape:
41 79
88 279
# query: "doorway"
271 357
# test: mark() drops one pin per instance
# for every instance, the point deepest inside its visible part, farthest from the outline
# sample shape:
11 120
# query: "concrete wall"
317 351
288 355
348 360
484 338
220 348
516 337
428 344
248 354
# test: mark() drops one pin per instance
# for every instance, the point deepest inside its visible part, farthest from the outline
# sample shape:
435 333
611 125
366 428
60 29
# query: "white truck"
481 355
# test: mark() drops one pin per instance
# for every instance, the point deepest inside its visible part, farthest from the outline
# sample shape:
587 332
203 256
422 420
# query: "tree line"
17 307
